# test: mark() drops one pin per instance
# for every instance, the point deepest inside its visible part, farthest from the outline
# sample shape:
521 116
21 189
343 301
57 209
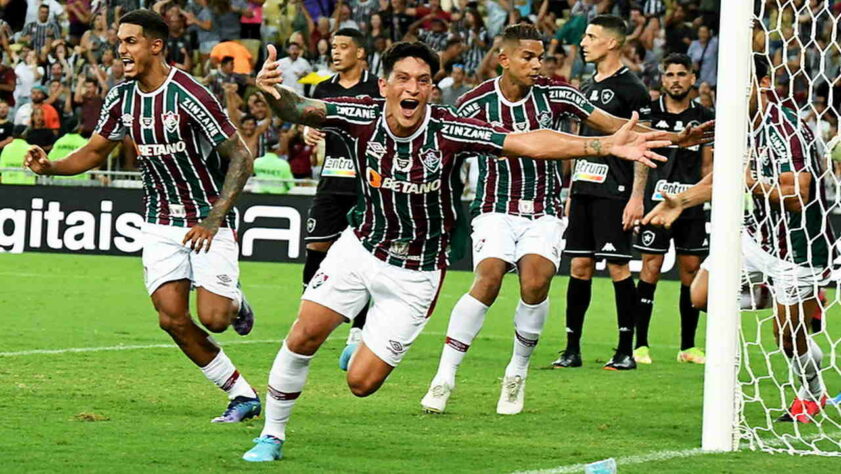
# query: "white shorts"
790 283
166 259
509 238
402 300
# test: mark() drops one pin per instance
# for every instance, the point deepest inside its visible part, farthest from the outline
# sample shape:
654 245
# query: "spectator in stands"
704 53
178 50
38 133
375 63
398 18
450 55
8 81
300 154
342 18
294 67
12 157
243 59
224 74
78 17
321 31
207 31
6 127
363 12
273 173
678 31
58 96
251 18
41 33
456 86
478 40
96 41
88 99
28 73
436 36
24 114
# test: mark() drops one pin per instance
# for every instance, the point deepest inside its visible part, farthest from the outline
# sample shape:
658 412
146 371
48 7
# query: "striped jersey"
522 187
408 201
781 144
176 129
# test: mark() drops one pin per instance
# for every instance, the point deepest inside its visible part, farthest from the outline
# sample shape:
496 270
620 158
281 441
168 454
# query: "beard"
678 97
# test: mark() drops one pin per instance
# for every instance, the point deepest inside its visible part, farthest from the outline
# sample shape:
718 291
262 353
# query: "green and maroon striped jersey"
782 143
523 186
407 206
176 129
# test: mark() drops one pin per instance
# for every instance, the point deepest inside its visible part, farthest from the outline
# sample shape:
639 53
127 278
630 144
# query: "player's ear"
382 84
158 46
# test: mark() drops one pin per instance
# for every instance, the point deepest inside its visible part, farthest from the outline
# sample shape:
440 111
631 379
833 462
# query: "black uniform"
602 186
678 174
336 192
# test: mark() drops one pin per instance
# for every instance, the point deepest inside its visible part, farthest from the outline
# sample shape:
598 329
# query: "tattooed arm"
285 102
636 205
240 168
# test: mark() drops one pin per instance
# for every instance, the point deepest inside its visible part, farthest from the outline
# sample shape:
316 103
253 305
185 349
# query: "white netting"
789 217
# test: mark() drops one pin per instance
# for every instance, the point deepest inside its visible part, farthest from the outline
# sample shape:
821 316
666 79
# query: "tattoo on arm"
291 107
593 147
239 170
640 179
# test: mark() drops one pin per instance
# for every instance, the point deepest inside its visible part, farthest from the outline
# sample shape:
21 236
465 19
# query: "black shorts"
328 216
595 229
690 236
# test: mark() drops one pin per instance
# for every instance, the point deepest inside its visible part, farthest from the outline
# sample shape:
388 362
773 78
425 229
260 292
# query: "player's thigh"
580 239
217 270
340 283
688 265
612 242
164 258
403 301
328 217
699 290
494 237
542 237
172 300
535 272
367 372
313 325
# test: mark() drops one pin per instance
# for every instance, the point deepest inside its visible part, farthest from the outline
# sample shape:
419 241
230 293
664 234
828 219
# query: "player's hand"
270 75
632 214
36 160
696 135
200 236
665 213
312 136
634 146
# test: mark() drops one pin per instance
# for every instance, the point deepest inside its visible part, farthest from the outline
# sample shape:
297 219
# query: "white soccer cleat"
435 400
512 396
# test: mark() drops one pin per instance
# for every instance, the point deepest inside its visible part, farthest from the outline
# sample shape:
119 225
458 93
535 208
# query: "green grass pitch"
149 409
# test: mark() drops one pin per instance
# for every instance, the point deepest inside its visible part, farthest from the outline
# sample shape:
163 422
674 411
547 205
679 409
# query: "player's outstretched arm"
690 136
791 188
285 102
240 168
551 145
90 156
672 206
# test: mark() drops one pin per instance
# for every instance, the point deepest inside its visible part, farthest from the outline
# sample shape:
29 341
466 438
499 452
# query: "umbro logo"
608 247
224 280
396 347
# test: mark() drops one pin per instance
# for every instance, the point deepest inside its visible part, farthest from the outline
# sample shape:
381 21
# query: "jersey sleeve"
473 136
206 113
348 113
567 101
110 125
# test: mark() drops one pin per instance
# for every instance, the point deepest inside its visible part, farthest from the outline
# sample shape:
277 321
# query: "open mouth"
408 107
128 64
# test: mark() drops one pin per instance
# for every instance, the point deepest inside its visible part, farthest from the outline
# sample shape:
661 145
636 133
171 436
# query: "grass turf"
149 409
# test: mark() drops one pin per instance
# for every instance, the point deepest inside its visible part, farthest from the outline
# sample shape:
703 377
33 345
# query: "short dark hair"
90 80
761 66
154 26
521 31
226 60
354 34
678 58
248 117
612 23
44 5
410 49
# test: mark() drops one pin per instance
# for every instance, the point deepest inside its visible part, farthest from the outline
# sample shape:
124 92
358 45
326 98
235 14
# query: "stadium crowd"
59 59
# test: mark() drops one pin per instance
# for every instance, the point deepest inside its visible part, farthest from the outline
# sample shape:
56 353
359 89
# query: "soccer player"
686 166
517 212
606 199
194 166
786 239
407 156
336 192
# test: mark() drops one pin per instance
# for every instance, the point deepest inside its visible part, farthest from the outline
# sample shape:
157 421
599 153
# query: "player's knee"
172 323
362 386
651 269
303 339
618 269
534 289
486 287
581 268
319 246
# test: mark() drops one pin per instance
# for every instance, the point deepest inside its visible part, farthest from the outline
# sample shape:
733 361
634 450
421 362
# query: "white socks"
222 372
465 322
807 369
528 324
286 380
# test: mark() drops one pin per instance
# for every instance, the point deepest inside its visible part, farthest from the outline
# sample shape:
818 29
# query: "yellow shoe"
642 355
693 355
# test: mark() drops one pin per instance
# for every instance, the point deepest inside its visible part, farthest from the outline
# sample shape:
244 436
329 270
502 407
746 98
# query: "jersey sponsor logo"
127 120
468 132
469 109
544 118
375 149
171 121
376 180
645 110
204 119
338 167
648 237
607 96
568 95
670 187
777 144
147 122
351 111
161 149
590 172
431 159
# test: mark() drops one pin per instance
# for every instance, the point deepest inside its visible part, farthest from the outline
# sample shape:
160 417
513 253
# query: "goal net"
791 308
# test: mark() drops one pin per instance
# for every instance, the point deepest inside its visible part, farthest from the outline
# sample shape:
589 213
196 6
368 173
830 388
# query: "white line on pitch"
70 350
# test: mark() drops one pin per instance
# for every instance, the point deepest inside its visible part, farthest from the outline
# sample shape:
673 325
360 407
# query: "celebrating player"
673 111
517 209
407 155
194 166
336 192
787 237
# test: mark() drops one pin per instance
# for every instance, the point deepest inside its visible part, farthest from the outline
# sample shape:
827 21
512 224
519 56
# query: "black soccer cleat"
621 361
568 359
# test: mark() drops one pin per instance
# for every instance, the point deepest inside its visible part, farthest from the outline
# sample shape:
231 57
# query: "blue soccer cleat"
267 448
244 321
347 353
239 409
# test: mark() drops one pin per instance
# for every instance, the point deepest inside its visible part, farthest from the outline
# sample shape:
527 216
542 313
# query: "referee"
336 193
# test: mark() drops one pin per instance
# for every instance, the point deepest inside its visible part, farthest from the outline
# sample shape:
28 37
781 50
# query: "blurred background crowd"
59 57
